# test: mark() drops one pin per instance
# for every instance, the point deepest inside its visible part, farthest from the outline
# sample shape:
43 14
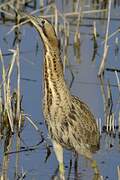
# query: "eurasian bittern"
70 123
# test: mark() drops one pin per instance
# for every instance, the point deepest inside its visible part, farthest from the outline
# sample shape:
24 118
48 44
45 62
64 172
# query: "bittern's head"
46 31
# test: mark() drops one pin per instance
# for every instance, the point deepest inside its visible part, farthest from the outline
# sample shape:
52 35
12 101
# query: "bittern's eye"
43 22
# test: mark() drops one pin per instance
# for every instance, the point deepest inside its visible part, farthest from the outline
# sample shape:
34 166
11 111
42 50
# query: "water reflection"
6 160
73 170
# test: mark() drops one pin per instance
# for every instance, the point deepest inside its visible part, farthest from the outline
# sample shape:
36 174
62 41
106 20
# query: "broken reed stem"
104 59
33 124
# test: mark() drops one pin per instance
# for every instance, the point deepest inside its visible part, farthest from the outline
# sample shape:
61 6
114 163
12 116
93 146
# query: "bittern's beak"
44 28
34 20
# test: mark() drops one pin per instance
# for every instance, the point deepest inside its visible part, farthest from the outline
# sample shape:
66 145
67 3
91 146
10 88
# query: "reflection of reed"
7 148
109 114
69 169
55 174
108 104
18 143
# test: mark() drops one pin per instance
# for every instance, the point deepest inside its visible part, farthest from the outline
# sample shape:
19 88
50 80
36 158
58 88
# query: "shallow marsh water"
31 160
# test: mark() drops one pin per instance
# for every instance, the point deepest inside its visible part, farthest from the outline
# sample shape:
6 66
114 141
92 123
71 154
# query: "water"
86 85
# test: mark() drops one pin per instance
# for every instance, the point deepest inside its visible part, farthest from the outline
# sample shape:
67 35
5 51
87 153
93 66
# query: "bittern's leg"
59 154
96 175
94 166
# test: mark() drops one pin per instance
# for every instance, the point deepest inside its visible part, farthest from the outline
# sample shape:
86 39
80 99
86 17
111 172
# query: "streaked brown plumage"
69 121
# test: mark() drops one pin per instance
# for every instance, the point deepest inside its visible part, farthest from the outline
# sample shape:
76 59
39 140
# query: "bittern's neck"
54 84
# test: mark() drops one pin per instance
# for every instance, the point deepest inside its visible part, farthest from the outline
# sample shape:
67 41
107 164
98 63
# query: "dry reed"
106 47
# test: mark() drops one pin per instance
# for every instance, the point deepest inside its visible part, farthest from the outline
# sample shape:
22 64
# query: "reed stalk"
8 90
95 45
77 35
100 126
56 20
66 40
119 122
118 172
118 81
4 79
18 109
104 96
106 47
